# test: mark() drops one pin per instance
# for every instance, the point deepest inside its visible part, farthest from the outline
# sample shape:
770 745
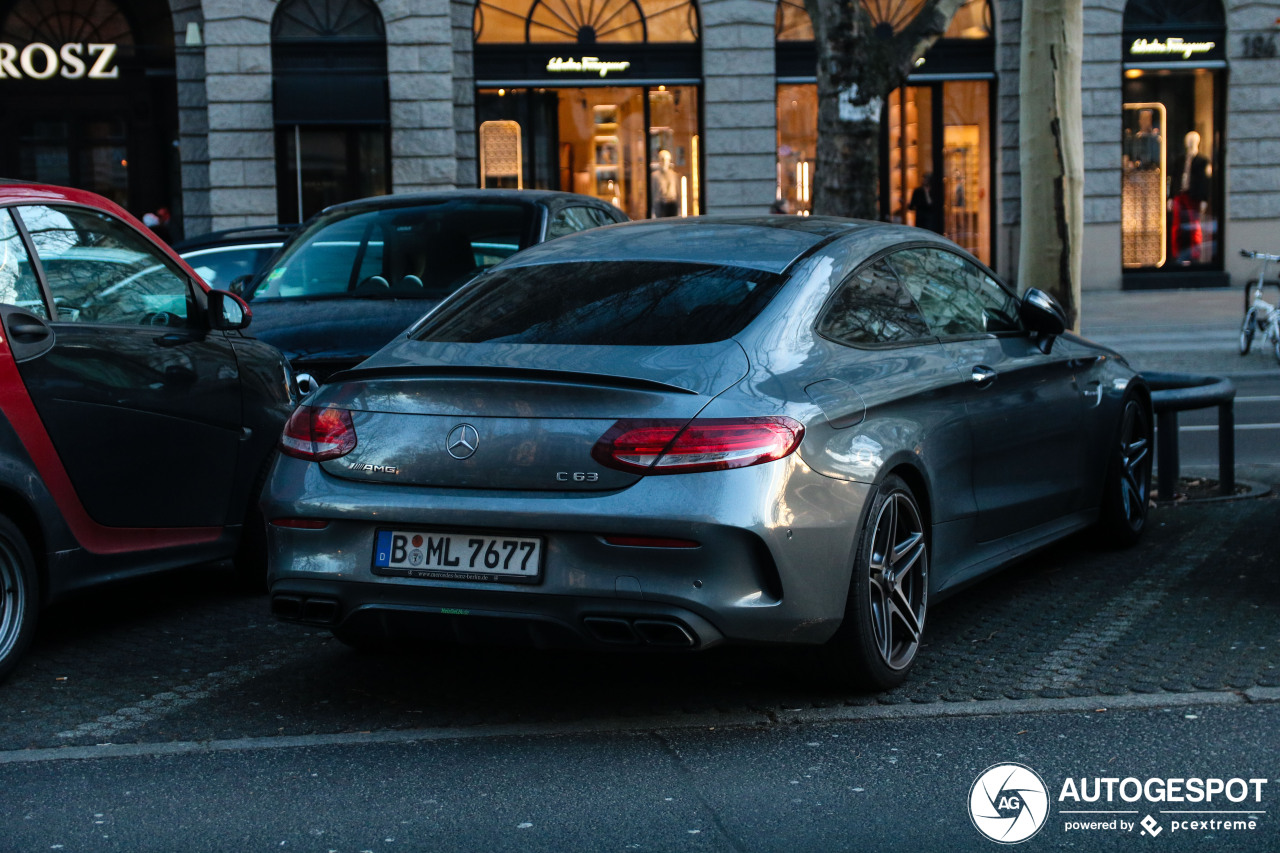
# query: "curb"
646 725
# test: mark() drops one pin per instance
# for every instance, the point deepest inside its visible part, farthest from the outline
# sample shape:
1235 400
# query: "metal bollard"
1177 392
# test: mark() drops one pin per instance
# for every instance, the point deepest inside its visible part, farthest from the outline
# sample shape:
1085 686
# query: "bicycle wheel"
1276 342
1247 330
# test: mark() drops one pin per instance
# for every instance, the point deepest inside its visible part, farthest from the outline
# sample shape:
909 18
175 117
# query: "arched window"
574 22
76 21
332 114
1175 14
972 21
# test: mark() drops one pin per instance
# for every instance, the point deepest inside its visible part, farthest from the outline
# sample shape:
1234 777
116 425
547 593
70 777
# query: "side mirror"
1042 314
227 312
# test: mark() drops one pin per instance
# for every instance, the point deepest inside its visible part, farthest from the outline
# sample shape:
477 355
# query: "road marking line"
166 702
639 725
1214 427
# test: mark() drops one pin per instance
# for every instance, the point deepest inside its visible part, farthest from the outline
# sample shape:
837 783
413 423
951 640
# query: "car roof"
14 191
245 235
530 197
770 243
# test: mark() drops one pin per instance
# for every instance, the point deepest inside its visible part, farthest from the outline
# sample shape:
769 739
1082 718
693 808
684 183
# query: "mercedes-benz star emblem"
462 441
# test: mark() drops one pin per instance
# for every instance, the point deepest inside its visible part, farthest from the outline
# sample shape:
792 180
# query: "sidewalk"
1181 331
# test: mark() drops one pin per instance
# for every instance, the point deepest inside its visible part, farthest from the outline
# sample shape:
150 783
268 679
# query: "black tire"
250 560
1247 330
1277 349
884 620
1127 491
19 597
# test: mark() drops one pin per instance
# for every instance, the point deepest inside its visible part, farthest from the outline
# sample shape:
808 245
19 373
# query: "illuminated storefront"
600 99
937 156
88 98
1174 111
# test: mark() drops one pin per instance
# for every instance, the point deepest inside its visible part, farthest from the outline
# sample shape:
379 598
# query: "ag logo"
1008 803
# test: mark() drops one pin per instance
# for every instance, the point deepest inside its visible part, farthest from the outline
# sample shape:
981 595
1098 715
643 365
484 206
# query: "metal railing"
1172 393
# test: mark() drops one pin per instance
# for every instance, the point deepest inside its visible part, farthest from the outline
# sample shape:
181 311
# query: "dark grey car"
785 430
360 273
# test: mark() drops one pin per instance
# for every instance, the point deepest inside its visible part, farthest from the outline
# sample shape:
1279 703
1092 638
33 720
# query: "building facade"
238 112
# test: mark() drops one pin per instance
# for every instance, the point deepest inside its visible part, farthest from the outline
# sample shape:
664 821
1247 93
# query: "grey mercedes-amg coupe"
677 434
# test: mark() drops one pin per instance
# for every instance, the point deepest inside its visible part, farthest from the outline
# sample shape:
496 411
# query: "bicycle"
1259 313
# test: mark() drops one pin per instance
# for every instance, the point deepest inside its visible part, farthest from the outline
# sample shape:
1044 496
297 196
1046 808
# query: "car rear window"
424 251
650 303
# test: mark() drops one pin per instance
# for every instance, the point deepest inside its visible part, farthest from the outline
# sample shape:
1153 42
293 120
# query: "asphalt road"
896 784
178 714
1257 432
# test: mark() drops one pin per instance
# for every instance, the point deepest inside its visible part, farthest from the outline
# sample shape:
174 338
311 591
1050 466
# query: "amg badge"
374 469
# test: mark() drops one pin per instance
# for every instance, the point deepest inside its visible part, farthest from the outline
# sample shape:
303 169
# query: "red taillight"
672 447
300 523
317 434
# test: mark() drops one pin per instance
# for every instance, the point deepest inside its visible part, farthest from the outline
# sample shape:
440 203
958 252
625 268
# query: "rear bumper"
776 540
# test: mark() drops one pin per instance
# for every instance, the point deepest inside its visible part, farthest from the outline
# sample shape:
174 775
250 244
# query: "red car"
136 420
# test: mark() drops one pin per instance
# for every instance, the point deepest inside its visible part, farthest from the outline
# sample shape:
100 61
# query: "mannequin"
1190 201
664 187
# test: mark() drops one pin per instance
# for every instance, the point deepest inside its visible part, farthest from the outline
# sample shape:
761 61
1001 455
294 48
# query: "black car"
136 421
228 259
360 273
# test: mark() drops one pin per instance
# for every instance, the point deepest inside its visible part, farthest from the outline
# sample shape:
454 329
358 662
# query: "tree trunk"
852 83
1051 151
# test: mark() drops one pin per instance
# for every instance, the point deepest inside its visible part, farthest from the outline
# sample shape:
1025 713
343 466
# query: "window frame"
197 317
982 268
829 304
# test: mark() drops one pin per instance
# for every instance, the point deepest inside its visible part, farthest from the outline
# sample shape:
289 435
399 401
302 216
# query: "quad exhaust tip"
630 632
317 611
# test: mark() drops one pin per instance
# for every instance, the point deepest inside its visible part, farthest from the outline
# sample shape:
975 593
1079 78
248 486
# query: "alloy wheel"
1135 464
13 599
898 577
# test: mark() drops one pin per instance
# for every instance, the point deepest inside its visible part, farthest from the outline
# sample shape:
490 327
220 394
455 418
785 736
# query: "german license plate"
441 555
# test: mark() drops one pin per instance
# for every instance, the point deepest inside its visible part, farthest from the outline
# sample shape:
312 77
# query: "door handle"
31 331
982 375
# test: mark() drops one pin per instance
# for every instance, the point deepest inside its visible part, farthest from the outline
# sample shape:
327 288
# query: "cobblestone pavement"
1195 607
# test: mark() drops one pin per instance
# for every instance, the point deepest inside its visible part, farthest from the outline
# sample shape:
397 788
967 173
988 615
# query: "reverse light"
712 444
317 434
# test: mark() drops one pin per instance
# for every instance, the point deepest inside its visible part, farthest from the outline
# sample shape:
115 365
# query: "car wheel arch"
19 510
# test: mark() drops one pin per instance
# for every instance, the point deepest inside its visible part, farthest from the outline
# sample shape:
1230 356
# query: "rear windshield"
605 302
425 251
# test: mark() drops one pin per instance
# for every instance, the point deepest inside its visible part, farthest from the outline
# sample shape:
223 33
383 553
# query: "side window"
872 307
571 219
101 271
955 296
600 216
18 285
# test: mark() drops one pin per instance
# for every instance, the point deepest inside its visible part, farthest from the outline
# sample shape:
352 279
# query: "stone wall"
740 112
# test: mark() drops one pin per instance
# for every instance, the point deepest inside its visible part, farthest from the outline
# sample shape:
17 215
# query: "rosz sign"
39 61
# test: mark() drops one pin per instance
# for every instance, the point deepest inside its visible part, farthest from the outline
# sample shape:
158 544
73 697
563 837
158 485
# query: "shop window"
936 164
89 100
1172 136
550 21
332 110
595 141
